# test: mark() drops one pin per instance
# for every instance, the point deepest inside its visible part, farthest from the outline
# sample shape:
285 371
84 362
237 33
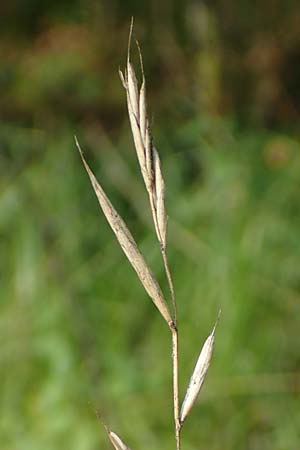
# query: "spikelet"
143 102
143 111
132 89
147 156
133 92
160 199
198 376
129 245
116 441
138 142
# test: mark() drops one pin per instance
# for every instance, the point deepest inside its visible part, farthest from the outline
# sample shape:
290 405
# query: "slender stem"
165 259
173 326
153 210
175 384
170 282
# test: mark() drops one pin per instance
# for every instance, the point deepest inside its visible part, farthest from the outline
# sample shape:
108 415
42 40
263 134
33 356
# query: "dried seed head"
132 86
137 111
160 199
198 376
133 93
116 441
143 112
149 156
142 100
129 245
123 79
137 138
113 437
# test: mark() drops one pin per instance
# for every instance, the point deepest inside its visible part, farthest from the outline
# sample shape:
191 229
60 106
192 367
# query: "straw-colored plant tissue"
150 166
160 199
116 441
129 245
198 376
146 153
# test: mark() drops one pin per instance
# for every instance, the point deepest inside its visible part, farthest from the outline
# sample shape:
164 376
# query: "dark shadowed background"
77 331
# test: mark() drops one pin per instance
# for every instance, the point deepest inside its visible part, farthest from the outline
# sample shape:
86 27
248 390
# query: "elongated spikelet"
198 376
138 142
133 89
133 92
147 156
116 441
129 245
160 199
143 111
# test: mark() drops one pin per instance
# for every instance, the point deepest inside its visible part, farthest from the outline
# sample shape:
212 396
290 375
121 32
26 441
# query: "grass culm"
151 170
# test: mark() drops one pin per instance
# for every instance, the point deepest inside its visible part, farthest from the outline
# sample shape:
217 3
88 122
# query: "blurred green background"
77 330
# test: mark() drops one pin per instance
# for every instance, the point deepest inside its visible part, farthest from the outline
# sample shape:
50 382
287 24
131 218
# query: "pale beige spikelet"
132 86
160 199
138 141
198 376
123 79
143 111
144 128
147 155
133 89
129 82
116 441
129 245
